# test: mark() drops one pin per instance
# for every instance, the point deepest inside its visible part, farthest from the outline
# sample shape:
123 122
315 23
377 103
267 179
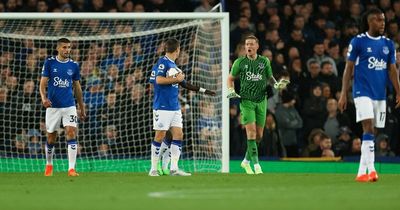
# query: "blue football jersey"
61 75
165 96
372 57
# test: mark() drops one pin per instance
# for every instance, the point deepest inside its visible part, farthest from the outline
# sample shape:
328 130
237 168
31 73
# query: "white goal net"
116 53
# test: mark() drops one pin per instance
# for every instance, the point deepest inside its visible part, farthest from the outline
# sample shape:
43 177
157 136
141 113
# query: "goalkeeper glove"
281 84
232 93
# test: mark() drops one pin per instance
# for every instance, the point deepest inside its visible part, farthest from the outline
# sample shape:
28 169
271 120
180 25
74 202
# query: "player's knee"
251 134
368 126
178 136
70 133
159 136
51 138
259 138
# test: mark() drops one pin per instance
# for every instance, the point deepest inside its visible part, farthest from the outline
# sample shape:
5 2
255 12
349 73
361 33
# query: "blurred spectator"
272 41
110 78
2 7
110 112
28 106
344 142
29 6
103 151
260 13
112 140
12 6
350 29
35 146
330 33
313 140
355 11
241 30
396 8
320 57
94 99
324 144
311 79
271 144
327 153
289 121
327 76
237 139
355 147
117 57
326 91
335 120
205 6
314 110
98 6
6 116
127 6
209 128
19 143
382 146
136 120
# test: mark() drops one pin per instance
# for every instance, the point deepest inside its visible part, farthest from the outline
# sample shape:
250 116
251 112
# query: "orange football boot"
49 170
362 178
373 176
72 172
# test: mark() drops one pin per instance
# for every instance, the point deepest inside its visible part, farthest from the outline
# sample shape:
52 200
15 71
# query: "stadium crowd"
305 40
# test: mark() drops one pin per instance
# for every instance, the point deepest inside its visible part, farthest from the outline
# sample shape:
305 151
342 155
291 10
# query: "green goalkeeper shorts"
253 112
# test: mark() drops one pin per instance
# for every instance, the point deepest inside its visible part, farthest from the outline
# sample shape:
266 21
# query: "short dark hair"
63 40
366 15
171 45
251 37
325 63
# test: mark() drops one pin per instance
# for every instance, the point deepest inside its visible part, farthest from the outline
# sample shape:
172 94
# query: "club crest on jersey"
161 66
70 72
385 50
261 66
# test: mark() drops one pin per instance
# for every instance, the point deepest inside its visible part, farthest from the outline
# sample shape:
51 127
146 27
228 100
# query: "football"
173 72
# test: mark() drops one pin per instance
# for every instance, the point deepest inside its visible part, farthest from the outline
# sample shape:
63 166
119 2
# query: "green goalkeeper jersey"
253 77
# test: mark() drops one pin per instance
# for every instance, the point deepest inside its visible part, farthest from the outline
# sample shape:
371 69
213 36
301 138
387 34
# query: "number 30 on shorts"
73 118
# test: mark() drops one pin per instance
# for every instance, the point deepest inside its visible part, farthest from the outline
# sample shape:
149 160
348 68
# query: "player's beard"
66 55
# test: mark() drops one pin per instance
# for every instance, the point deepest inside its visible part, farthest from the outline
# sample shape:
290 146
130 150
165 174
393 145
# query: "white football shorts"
164 119
54 116
366 108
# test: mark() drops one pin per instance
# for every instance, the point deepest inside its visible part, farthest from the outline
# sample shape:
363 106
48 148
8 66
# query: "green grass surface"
201 191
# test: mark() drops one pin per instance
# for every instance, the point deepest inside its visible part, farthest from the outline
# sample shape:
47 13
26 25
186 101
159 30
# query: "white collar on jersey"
169 59
371 37
66 61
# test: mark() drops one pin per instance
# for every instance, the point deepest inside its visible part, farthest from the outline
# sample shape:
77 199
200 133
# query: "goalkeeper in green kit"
254 71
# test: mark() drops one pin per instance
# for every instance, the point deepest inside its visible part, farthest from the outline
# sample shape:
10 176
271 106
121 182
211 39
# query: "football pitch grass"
203 191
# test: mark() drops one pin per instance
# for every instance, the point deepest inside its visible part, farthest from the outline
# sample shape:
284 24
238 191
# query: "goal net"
116 53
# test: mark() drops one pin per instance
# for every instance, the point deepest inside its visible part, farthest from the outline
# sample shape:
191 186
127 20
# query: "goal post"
116 52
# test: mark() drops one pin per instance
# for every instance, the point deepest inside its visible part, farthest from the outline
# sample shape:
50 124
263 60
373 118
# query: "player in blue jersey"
166 78
371 60
61 76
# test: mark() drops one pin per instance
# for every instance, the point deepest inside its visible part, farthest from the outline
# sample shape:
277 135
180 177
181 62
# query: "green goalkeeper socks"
252 151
